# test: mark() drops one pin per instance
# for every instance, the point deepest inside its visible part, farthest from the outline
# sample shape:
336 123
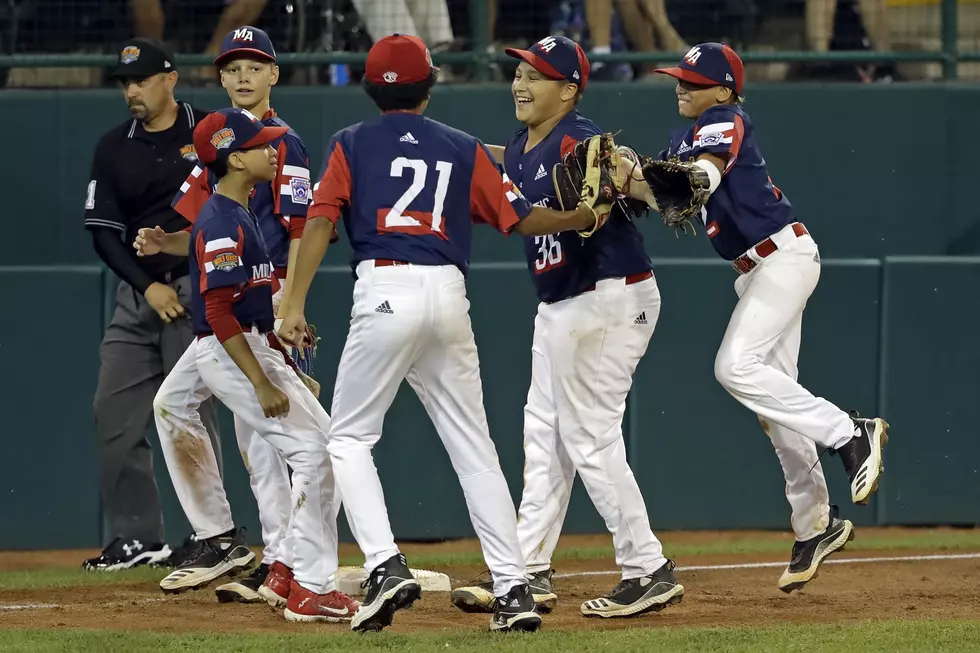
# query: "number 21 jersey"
409 189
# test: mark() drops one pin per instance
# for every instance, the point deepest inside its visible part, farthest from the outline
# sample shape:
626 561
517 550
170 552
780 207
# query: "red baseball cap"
558 57
399 59
710 64
231 130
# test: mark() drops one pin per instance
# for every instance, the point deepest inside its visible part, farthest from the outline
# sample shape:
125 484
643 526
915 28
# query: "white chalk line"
578 574
50 606
763 565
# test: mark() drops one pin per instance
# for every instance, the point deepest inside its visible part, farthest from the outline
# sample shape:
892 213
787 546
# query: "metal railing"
481 57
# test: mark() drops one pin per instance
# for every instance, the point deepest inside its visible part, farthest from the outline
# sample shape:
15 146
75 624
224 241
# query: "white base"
349 580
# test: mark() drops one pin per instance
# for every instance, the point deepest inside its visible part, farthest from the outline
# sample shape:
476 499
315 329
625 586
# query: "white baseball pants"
206 369
584 353
412 322
757 364
426 19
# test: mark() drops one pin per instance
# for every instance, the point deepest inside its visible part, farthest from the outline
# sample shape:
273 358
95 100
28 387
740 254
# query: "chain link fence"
324 41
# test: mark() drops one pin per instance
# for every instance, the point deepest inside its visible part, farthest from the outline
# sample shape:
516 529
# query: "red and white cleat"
275 589
305 605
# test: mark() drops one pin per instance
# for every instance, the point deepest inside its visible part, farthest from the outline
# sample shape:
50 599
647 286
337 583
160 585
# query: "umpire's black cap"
141 58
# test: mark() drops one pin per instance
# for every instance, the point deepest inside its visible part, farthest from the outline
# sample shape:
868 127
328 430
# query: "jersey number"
549 253
399 218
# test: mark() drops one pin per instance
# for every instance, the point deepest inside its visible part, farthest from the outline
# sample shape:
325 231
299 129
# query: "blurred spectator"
649 30
149 21
426 19
847 25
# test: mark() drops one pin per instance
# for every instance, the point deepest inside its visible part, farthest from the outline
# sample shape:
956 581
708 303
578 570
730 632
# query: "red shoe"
275 589
305 605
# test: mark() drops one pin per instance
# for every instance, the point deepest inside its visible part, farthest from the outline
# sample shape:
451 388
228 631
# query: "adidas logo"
408 138
384 308
641 318
540 173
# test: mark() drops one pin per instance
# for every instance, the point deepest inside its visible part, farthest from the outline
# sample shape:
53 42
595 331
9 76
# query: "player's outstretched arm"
498 153
543 221
312 248
156 241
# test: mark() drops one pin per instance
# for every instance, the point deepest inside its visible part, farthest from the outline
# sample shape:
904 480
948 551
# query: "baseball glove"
590 174
680 189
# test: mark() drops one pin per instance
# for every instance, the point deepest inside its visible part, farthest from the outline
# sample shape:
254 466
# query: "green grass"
937 542
864 637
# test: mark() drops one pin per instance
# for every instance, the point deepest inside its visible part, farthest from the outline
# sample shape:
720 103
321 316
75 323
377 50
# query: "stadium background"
870 141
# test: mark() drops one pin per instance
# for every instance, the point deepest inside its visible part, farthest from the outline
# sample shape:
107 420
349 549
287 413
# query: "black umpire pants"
137 351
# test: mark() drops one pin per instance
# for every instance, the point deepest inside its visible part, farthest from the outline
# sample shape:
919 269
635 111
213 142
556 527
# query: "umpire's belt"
745 263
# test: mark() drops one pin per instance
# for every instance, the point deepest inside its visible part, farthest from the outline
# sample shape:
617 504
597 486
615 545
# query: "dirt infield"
919 589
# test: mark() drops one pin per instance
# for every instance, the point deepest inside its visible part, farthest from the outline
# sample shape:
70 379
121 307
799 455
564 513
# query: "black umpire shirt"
135 176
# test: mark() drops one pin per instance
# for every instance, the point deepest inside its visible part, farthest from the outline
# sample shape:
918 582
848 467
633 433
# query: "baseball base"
349 580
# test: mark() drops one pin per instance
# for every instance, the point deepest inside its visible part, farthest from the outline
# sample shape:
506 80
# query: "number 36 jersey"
564 265
410 188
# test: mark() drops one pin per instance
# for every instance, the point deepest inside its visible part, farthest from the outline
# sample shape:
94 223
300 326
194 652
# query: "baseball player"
238 359
751 223
409 189
248 70
599 307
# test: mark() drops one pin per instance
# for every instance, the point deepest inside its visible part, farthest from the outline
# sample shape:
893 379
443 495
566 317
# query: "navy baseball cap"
710 64
231 130
558 57
141 58
246 41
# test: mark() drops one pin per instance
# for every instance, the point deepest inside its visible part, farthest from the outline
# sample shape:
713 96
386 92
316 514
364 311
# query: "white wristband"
714 177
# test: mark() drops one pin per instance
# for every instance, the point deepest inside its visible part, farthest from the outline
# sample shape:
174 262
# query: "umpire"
137 170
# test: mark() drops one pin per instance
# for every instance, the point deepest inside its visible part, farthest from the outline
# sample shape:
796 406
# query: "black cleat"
862 456
515 611
808 555
637 596
126 554
213 558
390 587
244 590
479 596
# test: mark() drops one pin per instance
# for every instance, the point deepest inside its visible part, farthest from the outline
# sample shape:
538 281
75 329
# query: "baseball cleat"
306 605
275 590
244 590
808 555
479 597
390 587
515 611
862 456
636 596
125 554
213 558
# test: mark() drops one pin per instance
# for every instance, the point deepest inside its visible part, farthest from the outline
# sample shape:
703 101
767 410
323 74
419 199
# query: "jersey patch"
226 261
300 189
188 152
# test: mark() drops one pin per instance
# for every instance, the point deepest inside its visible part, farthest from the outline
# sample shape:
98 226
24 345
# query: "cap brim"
688 76
535 62
128 72
265 135
243 52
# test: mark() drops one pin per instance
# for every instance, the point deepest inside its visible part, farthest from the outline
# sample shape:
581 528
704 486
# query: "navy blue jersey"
746 208
277 203
228 251
409 189
565 264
